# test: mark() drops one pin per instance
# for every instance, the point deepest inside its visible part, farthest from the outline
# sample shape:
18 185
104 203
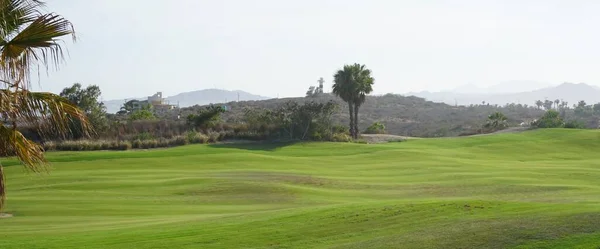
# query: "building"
155 102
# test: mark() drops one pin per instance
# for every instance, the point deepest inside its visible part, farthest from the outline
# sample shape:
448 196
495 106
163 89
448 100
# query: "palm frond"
36 43
39 109
14 13
13 143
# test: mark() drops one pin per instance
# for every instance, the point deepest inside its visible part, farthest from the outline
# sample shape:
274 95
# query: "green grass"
537 189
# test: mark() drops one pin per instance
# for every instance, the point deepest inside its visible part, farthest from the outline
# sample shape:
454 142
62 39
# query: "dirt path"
384 138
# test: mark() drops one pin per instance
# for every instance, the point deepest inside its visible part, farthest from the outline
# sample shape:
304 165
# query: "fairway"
538 189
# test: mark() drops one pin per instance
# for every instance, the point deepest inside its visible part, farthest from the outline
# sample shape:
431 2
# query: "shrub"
49 146
495 122
105 145
202 139
178 141
341 137
143 136
192 137
213 137
196 137
551 119
95 145
376 128
162 143
124 145
574 124
316 136
149 144
241 128
136 144
340 129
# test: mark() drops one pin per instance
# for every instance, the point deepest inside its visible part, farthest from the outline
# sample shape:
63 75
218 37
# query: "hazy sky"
281 47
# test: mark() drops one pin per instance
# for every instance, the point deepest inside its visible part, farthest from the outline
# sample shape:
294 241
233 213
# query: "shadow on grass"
260 146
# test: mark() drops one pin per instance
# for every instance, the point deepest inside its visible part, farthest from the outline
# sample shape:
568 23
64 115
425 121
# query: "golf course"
535 189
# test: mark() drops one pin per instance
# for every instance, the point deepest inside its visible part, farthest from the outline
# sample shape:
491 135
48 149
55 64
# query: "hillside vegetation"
401 115
535 189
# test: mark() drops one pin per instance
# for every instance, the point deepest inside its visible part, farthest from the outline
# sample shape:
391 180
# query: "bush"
149 144
340 129
551 119
95 145
573 124
143 136
124 145
316 136
162 143
105 145
136 144
213 137
196 138
340 137
178 141
376 128
49 146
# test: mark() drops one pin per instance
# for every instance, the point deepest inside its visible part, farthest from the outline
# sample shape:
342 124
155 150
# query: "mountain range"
569 92
187 99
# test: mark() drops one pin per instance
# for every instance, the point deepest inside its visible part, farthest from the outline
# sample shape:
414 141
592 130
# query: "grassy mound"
535 189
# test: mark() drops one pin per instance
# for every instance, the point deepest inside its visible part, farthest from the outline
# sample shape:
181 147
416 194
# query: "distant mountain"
200 97
514 86
569 92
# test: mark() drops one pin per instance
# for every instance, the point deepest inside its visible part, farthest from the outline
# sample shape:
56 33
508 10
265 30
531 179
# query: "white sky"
134 48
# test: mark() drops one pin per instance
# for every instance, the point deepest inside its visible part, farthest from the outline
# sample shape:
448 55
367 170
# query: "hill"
200 97
528 190
402 115
568 92
514 86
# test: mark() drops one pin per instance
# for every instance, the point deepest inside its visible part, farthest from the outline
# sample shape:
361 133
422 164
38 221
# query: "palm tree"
30 38
364 86
343 87
556 102
496 121
352 84
539 104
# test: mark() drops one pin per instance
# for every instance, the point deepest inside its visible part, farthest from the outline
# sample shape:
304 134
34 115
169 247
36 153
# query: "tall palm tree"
352 84
30 38
364 86
343 87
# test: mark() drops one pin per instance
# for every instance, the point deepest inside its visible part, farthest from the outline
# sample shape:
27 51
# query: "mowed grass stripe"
535 189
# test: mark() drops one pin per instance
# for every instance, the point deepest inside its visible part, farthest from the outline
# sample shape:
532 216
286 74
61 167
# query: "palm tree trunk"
2 189
351 119
356 106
